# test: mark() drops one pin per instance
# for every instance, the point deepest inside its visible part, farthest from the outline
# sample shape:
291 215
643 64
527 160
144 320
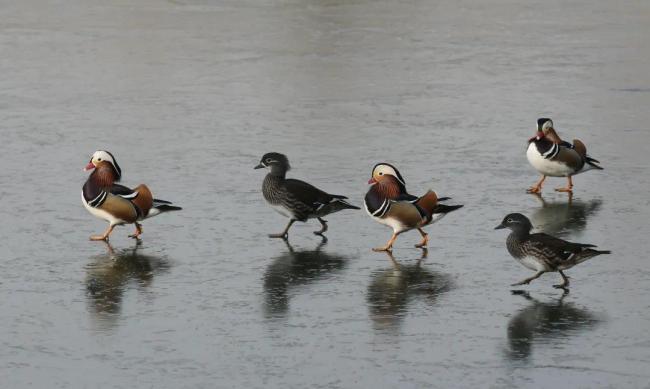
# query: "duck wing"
554 251
315 199
123 191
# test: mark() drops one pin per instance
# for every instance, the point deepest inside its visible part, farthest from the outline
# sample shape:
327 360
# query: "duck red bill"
538 135
372 181
90 166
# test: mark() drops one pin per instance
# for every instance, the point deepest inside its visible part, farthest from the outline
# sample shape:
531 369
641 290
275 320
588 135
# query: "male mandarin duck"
541 252
116 203
295 199
552 156
388 202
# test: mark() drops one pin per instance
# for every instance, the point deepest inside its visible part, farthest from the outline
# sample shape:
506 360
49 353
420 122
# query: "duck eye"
99 159
509 220
381 174
268 160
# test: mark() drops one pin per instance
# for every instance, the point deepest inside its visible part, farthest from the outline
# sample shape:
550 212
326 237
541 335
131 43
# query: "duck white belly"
282 210
547 167
393 223
532 263
101 214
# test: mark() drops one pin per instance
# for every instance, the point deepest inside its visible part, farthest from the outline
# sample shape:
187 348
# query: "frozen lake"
188 95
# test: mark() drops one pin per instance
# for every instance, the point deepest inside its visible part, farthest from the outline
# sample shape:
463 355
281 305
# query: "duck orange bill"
372 181
90 166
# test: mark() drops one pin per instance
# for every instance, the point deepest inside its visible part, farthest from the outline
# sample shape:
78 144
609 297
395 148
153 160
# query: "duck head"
384 173
545 129
543 126
276 162
516 222
101 159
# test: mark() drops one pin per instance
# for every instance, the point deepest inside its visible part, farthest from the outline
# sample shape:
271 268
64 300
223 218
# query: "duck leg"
284 234
323 223
527 280
105 236
388 246
568 188
138 231
537 188
425 239
565 281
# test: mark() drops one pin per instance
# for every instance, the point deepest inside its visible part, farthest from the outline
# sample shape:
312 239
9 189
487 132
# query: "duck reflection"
296 268
108 275
544 322
564 217
391 291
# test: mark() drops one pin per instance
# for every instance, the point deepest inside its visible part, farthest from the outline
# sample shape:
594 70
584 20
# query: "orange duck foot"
424 242
103 237
138 231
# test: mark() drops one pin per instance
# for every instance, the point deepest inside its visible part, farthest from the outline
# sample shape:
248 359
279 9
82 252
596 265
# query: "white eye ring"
268 160
509 221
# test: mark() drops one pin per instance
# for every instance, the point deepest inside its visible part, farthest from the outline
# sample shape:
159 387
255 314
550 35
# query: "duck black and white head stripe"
544 124
384 168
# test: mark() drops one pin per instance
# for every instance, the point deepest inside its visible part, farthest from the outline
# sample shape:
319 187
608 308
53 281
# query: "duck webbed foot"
323 223
105 236
537 188
284 234
568 188
389 245
425 239
138 231
565 281
528 280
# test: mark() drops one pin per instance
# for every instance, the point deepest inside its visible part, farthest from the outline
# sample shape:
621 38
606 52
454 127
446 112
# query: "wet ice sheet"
189 95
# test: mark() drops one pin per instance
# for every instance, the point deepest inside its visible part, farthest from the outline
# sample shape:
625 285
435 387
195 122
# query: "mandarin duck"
295 199
541 252
552 156
388 202
115 203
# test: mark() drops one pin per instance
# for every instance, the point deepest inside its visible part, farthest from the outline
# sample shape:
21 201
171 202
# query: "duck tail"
344 204
588 254
162 206
337 204
593 163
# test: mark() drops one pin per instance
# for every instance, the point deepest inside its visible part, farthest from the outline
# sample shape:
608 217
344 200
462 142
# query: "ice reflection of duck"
565 217
110 274
295 268
545 323
392 290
